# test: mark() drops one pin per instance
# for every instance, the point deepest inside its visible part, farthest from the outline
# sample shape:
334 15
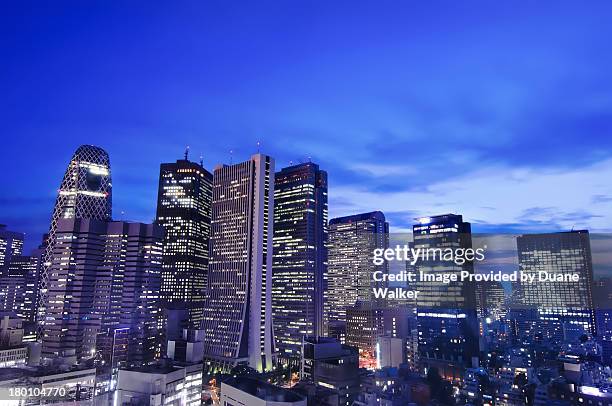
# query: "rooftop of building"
262 390
440 218
373 215
299 166
154 369
39 371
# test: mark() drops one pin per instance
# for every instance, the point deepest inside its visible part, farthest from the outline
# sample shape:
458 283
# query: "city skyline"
346 87
103 304
306 203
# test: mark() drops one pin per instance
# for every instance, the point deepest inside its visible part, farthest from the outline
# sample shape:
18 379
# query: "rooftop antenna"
187 153
231 156
309 159
201 160
258 145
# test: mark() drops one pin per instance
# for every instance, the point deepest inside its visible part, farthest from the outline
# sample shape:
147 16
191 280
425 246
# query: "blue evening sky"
500 111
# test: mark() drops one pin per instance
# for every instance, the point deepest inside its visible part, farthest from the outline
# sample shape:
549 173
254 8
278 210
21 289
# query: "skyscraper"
238 316
602 301
490 299
300 255
19 286
127 294
564 308
446 312
352 241
11 244
183 209
104 276
85 192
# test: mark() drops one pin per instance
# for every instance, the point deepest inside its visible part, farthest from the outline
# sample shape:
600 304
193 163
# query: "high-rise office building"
104 277
238 316
300 255
490 300
183 209
85 192
11 244
564 309
602 302
446 312
19 286
352 241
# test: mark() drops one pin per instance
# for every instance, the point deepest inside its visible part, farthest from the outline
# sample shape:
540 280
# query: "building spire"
187 153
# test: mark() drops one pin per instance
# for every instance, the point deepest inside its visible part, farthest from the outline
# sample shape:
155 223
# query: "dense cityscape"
244 292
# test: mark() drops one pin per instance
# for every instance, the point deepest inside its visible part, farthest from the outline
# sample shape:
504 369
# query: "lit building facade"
160 385
21 282
11 244
366 322
352 240
329 364
104 277
490 300
238 316
300 255
446 312
564 309
85 192
602 301
184 209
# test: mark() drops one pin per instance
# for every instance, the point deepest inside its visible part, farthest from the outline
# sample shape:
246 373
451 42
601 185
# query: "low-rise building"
243 391
157 385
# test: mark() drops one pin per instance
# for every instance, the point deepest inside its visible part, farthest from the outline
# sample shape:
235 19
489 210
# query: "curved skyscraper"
85 192
238 317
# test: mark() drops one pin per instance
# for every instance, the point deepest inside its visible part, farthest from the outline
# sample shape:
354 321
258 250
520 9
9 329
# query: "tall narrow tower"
238 316
85 193
183 209
446 317
300 255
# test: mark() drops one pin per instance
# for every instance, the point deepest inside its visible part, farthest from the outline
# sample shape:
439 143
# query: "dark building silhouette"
328 363
446 312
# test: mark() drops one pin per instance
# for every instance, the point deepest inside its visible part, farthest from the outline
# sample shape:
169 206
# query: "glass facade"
352 240
300 255
563 308
184 210
446 312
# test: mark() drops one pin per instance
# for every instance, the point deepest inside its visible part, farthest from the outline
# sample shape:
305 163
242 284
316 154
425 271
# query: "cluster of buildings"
242 292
